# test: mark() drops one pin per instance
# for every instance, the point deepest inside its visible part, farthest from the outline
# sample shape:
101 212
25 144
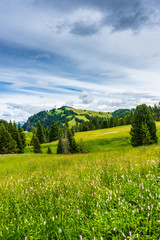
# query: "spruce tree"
36 145
7 144
40 133
10 127
60 146
143 130
22 135
16 136
53 132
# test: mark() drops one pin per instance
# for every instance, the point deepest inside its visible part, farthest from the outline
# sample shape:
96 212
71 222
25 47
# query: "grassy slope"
105 195
99 140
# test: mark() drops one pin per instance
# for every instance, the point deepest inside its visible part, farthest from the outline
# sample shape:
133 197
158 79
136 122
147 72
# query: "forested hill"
62 115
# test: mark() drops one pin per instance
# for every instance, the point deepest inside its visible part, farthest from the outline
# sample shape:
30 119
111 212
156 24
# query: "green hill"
62 115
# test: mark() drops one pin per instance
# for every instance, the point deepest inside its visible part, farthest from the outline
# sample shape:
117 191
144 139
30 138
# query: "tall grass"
112 195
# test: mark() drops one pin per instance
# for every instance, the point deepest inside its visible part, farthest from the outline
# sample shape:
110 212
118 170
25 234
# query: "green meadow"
111 192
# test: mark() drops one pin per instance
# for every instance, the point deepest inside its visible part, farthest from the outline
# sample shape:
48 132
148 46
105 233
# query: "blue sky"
92 54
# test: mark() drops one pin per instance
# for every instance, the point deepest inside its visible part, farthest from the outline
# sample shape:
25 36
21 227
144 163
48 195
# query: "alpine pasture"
111 192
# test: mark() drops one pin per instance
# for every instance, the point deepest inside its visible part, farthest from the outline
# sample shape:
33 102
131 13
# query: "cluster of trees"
155 110
143 130
42 135
142 120
67 143
12 139
100 122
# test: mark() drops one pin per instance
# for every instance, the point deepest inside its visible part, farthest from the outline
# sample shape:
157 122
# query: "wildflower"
148 207
80 237
60 230
114 229
25 238
130 234
44 222
52 218
133 212
123 235
78 211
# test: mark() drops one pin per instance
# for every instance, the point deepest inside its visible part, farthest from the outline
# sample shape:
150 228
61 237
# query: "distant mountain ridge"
67 114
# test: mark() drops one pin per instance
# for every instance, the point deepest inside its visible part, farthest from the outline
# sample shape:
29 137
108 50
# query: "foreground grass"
113 195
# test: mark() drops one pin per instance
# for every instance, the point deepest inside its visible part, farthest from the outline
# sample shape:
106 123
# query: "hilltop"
70 115
62 115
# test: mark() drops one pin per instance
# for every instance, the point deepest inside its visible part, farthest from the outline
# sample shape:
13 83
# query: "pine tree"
36 145
60 146
40 133
7 144
22 135
54 132
16 136
143 130
146 137
10 127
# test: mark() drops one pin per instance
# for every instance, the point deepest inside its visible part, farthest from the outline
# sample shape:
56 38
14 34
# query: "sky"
91 54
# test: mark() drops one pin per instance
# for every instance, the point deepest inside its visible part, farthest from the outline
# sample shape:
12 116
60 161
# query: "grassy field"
113 192
102 140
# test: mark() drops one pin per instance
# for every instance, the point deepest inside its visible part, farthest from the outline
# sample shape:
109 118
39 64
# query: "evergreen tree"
33 129
16 136
143 130
54 132
36 145
146 138
60 146
22 135
10 127
40 133
7 144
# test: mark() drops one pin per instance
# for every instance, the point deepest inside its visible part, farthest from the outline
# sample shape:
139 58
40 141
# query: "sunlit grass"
113 194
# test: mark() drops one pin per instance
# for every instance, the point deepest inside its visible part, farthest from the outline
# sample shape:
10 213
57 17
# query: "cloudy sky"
92 54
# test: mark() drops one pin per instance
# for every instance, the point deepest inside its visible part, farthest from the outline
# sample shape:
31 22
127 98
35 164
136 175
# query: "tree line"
12 138
65 135
143 132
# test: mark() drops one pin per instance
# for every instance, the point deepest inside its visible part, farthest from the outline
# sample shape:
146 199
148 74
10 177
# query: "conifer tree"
36 145
40 133
22 135
53 132
7 144
10 127
60 146
143 130
16 136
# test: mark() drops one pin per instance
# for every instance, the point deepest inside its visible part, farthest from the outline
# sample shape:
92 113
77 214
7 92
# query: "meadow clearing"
111 192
